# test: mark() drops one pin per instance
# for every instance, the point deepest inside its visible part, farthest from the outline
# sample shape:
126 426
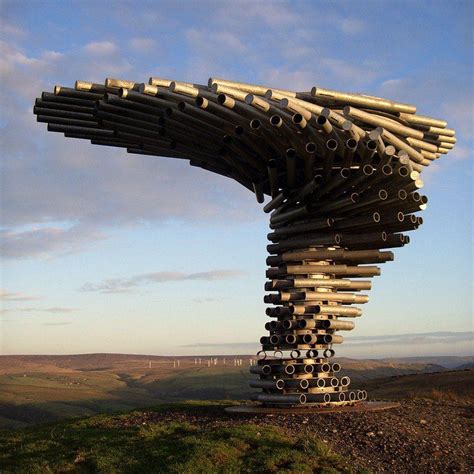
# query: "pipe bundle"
342 172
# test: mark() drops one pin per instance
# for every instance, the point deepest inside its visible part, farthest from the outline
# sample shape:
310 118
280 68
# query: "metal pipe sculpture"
343 175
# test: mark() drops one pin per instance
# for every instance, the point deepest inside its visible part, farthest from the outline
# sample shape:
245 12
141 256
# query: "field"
125 413
38 389
96 444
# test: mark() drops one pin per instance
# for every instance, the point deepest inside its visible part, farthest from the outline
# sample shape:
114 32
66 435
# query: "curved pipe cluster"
342 172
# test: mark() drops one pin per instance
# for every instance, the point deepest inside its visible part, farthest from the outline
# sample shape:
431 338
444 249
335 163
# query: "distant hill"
41 388
455 385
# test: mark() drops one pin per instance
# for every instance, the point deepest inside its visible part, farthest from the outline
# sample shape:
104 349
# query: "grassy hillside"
111 444
456 385
38 389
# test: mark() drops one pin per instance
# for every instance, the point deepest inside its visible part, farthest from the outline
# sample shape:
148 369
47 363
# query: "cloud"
123 285
6 295
208 300
207 41
64 323
52 310
89 190
9 30
398 345
142 44
230 345
351 26
101 48
413 339
43 242
275 15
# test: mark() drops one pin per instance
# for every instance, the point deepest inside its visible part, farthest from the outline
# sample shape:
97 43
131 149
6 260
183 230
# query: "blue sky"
104 251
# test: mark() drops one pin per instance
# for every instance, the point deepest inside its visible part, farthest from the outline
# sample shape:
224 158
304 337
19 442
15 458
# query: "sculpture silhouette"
342 173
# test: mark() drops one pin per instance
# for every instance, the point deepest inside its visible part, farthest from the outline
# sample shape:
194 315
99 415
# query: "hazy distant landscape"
137 413
36 389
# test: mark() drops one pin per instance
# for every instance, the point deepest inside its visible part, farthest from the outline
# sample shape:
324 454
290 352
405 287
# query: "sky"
108 252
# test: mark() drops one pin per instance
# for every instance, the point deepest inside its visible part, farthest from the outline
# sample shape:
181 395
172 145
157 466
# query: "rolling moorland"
186 425
38 389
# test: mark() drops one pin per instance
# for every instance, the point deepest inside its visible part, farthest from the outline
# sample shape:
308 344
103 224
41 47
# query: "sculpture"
343 175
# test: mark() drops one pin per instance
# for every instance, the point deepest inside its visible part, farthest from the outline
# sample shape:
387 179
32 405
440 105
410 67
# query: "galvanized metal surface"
342 172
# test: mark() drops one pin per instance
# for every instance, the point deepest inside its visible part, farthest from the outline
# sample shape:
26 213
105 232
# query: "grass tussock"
107 444
441 396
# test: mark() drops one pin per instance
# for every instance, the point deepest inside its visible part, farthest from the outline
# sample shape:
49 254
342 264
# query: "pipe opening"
255 124
331 144
297 118
321 120
351 143
276 120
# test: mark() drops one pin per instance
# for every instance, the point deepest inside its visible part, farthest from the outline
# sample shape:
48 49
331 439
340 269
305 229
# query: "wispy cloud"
123 285
9 30
101 48
52 310
61 323
416 338
351 26
142 44
43 242
49 180
6 295
377 346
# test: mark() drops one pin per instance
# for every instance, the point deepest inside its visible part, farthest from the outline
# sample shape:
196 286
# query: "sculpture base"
358 407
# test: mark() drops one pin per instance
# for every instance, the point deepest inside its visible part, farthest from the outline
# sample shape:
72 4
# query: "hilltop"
200 437
38 389
430 429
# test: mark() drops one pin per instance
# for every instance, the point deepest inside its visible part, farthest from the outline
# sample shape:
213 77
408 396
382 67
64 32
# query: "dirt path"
419 436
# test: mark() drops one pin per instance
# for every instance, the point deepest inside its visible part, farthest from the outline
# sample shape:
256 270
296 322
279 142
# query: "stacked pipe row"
343 175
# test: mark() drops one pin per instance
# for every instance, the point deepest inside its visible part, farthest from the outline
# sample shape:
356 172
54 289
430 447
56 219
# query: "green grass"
108 444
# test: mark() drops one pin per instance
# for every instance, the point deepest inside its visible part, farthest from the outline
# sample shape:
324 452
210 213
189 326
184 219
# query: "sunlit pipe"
400 144
249 88
380 121
92 87
73 93
328 296
362 100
